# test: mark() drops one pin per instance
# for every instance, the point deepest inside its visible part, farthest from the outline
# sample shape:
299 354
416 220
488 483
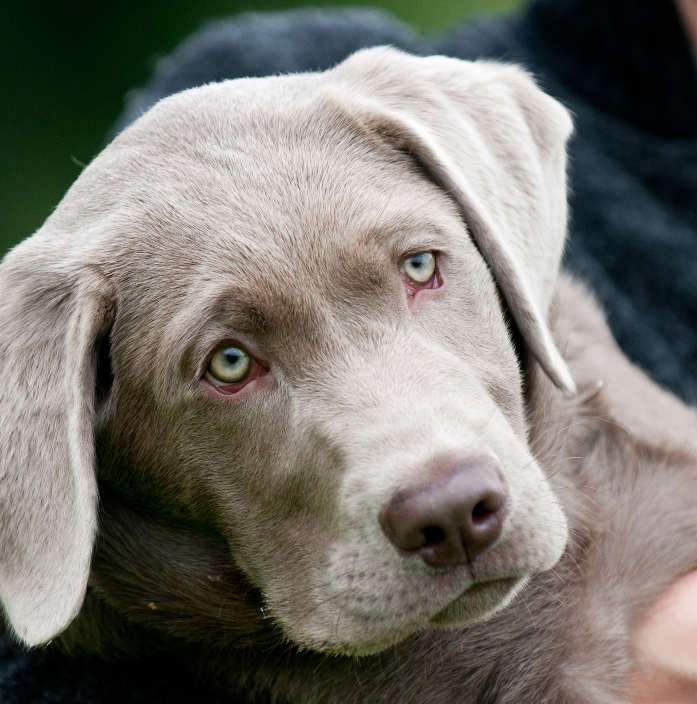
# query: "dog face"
297 278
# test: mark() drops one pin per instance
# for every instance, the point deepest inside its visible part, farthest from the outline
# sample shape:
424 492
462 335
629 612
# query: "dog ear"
52 317
487 135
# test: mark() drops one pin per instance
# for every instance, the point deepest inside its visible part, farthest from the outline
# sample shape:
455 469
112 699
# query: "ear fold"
50 325
496 143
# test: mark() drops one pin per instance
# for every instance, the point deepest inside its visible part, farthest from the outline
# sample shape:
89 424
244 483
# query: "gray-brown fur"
243 534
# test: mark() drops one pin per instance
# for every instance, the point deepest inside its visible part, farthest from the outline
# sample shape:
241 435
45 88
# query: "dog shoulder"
631 398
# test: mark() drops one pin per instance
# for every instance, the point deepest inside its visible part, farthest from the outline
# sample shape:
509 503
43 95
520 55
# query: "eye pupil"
233 355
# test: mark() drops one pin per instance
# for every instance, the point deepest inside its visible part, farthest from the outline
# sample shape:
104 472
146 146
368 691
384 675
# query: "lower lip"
493 592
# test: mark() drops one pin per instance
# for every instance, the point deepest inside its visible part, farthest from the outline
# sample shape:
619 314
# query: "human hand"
666 647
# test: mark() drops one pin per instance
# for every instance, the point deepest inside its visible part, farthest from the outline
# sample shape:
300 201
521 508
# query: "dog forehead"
280 160
192 146
253 156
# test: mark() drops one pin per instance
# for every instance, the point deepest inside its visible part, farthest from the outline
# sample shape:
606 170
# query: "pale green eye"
229 365
420 267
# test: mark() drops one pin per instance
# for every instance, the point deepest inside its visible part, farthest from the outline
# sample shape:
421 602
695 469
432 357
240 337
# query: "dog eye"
230 365
420 267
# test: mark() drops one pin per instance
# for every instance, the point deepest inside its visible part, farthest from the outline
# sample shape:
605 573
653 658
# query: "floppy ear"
52 316
495 143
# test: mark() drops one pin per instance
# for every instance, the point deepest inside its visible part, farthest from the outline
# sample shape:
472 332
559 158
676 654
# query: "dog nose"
450 520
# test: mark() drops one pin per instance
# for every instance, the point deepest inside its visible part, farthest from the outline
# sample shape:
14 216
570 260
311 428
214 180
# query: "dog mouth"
479 601
476 603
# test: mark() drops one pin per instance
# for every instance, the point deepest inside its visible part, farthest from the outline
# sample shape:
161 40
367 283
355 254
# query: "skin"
687 9
666 643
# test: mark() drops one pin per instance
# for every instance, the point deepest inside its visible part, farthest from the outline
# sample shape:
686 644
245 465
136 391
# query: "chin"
479 602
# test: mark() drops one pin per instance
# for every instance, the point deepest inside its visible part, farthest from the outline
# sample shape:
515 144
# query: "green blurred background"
69 65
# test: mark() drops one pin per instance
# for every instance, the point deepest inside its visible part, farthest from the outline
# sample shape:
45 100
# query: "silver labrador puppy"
281 378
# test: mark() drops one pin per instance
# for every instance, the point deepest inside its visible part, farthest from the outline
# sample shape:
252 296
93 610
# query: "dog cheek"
281 517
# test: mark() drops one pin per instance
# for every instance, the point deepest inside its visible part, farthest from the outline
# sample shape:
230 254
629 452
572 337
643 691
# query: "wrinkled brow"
404 237
237 304
244 315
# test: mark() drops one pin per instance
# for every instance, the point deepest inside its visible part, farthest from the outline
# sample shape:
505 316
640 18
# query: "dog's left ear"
496 143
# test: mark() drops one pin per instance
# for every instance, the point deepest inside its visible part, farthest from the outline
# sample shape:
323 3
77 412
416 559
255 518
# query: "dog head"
275 306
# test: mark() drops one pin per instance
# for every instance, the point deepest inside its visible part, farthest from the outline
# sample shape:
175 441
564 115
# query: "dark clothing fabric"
46 676
261 44
626 72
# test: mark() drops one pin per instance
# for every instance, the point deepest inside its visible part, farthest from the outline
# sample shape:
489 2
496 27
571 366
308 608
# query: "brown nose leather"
452 519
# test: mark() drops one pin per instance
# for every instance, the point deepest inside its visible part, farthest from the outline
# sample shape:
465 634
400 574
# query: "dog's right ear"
496 144
52 316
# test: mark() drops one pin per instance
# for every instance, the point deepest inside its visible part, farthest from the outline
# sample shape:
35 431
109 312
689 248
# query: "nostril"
433 535
487 507
480 512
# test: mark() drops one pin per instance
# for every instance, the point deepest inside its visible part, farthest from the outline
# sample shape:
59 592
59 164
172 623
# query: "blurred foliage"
68 66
